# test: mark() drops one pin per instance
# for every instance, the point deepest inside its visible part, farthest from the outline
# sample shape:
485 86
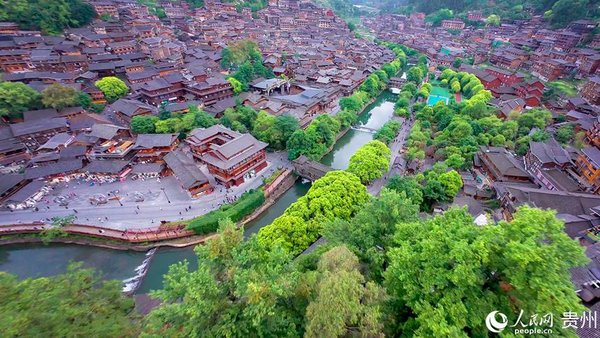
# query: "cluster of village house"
174 60
550 175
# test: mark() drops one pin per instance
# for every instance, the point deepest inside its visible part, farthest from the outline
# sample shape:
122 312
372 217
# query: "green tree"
338 194
275 130
61 306
433 192
143 124
447 273
451 181
112 87
84 100
388 131
457 62
455 161
168 126
57 96
438 16
564 11
352 103
565 133
236 85
493 20
243 115
17 97
163 112
202 119
370 161
370 234
346 118
344 302
407 185
237 290
415 74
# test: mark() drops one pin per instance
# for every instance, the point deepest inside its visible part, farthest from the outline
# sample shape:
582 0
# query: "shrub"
236 211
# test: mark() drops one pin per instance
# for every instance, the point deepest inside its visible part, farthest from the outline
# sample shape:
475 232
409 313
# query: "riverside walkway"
160 233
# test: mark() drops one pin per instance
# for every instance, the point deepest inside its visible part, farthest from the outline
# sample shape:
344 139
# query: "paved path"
136 236
159 205
397 144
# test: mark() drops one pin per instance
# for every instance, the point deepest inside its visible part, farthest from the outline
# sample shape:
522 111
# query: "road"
169 204
397 144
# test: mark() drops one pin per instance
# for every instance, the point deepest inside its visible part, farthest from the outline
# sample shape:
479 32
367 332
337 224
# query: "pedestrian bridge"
365 129
309 169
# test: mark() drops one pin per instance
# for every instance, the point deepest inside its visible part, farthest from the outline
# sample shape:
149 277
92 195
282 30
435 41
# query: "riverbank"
89 241
273 192
168 236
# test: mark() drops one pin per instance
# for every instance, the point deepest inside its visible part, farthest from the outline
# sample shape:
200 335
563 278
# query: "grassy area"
272 177
236 211
566 88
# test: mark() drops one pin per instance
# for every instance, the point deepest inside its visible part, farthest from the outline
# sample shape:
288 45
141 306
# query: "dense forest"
50 17
558 12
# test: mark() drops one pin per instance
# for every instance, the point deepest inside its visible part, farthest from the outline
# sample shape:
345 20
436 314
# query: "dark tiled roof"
106 166
26 192
549 152
149 141
60 167
185 169
25 128
9 181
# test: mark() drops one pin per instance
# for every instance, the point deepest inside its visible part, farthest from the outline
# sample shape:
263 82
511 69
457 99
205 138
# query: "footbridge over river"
365 129
309 169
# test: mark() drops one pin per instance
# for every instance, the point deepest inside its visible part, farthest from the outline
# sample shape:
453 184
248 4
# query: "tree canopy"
274 130
338 194
237 290
17 97
448 273
370 161
112 87
48 16
57 96
76 303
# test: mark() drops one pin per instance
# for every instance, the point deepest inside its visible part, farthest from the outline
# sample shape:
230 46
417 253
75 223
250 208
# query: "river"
374 116
37 260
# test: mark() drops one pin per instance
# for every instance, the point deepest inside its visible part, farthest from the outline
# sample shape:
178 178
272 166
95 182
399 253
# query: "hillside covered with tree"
48 16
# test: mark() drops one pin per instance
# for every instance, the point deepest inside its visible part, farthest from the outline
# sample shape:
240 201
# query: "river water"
373 117
37 260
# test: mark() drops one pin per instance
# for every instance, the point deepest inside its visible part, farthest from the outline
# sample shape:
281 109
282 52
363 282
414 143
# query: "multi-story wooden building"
105 7
592 136
591 90
547 162
36 132
187 173
500 165
588 165
214 89
153 147
126 109
453 24
230 156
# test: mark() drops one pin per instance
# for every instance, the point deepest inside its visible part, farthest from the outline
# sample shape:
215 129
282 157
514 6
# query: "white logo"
493 325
